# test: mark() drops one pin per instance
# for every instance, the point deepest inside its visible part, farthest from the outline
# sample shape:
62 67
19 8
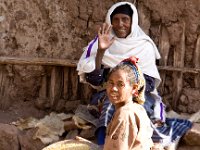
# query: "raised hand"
104 37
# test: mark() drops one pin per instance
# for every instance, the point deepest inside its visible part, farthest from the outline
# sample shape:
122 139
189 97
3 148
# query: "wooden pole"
38 61
197 62
179 69
55 86
179 54
164 47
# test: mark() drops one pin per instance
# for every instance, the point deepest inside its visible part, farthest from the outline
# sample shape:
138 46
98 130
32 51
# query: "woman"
120 38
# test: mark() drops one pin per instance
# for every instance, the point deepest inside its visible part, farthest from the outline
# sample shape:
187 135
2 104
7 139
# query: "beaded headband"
132 63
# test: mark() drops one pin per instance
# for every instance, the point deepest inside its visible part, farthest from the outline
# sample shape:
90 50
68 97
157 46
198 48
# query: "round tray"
72 145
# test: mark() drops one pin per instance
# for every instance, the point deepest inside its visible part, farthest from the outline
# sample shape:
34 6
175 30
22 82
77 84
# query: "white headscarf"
137 44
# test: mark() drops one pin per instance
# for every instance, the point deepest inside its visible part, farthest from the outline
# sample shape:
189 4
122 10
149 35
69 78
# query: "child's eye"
110 83
120 85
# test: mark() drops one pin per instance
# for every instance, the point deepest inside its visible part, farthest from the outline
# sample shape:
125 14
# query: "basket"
72 145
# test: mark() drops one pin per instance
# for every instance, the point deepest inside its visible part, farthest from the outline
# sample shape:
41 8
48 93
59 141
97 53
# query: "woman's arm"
150 83
97 77
104 42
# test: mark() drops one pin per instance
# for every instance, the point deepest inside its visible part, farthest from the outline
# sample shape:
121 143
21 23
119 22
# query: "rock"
72 134
70 125
193 135
8 137
27 142
88 134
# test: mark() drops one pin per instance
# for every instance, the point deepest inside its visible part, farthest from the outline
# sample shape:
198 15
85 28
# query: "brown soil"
19 110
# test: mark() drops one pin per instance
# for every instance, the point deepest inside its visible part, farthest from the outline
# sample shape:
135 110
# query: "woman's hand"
104 42
104 37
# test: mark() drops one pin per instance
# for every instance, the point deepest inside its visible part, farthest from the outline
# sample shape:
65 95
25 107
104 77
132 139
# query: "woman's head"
121 20
130 26
125 82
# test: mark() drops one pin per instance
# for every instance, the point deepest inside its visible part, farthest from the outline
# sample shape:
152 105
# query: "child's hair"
135 76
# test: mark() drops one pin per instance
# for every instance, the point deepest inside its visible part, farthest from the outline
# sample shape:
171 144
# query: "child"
130 126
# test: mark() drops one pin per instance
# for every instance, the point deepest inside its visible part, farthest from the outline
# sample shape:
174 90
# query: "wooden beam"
179 69
73 63
37 61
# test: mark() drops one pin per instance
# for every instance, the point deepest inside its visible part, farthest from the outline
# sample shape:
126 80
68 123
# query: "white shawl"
137 43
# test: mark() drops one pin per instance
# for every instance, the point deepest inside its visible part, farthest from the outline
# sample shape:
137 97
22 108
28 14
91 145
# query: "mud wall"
59 29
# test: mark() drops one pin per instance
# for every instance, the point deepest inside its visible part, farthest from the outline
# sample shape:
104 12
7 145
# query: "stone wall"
61 28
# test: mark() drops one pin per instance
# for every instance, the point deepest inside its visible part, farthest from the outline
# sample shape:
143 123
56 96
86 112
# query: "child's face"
118 87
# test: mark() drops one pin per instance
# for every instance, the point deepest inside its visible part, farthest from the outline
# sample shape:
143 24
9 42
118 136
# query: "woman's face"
121 25
118 88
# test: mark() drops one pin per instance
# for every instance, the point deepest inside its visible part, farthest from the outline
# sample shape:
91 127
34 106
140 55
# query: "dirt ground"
21 110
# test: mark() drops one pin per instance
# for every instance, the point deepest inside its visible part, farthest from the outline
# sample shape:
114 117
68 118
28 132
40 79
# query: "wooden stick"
55 86
38 61
66 81
73 63
179 69
43 89
196 62
164 46
179 54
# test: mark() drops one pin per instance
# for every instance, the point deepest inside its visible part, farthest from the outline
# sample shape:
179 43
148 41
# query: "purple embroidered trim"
90 47
161 111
